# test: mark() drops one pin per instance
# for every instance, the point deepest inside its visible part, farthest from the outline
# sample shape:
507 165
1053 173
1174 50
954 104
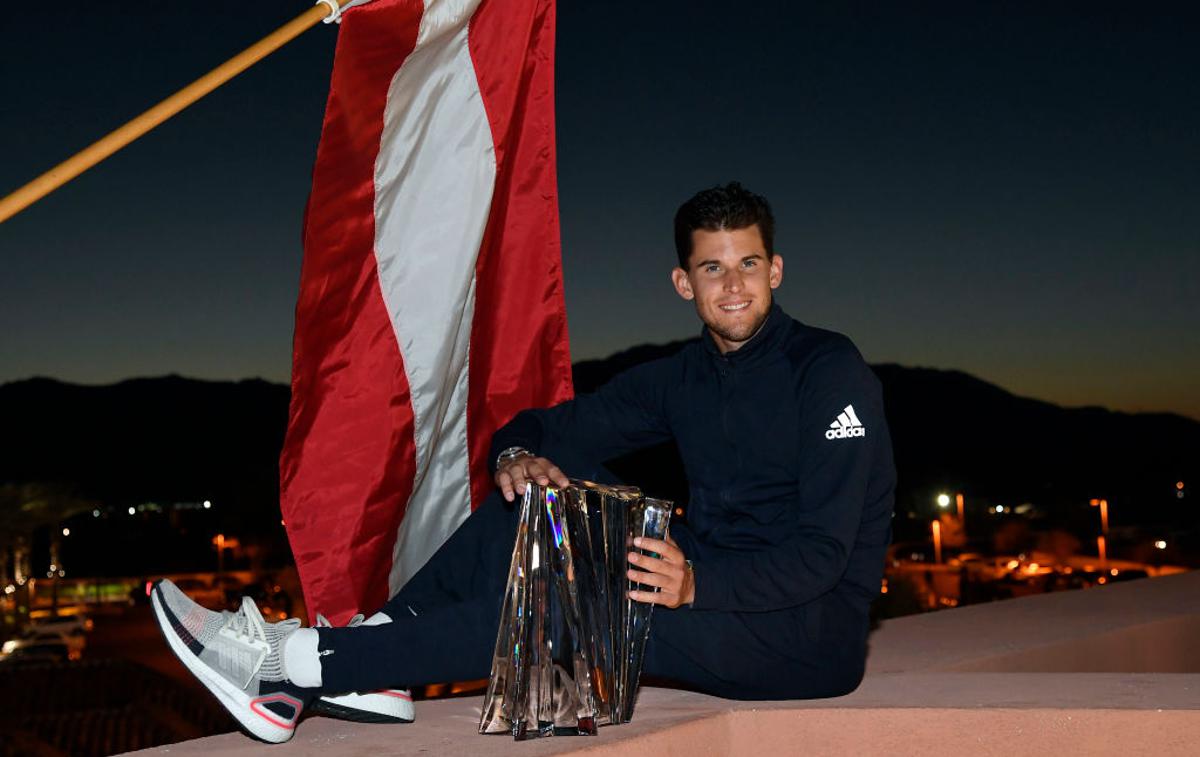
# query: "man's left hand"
669 572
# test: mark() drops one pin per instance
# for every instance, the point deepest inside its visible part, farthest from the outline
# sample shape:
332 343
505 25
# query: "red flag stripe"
519 355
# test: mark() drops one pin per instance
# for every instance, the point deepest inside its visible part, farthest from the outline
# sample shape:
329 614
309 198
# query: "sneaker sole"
335 710
233 699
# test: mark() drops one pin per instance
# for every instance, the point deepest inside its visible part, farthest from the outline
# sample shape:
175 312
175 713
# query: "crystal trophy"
570 645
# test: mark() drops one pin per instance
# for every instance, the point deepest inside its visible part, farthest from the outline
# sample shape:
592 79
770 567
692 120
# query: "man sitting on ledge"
764 591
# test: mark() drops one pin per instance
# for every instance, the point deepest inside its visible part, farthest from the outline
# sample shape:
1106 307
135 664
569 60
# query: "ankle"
301 660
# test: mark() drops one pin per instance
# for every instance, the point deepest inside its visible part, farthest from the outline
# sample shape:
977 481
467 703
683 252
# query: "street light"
943 500
1103 505
219 543
937 541
958 498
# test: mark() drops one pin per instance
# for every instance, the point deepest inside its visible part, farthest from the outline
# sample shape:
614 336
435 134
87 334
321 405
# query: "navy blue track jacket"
787 454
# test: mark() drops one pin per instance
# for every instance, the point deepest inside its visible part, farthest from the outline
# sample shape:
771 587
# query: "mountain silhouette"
174 439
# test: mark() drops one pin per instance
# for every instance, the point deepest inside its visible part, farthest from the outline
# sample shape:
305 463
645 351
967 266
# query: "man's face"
730 277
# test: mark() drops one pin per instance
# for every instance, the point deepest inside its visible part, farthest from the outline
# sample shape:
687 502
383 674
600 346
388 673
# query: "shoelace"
247 624
247 621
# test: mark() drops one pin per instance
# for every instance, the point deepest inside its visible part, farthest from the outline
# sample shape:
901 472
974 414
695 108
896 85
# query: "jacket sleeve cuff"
522 431
712 588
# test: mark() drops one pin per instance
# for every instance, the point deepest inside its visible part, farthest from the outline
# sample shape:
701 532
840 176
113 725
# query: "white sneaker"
385 706
236 655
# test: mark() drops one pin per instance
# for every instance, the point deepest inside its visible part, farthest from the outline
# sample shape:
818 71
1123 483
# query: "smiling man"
765 589
730 278
771 578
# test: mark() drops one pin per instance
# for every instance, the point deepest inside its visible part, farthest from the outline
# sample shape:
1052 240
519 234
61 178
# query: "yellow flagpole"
109 144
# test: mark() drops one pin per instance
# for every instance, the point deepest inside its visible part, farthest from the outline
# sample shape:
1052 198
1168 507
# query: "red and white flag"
431 304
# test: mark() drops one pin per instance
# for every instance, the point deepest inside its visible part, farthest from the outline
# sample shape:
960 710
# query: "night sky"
1009 189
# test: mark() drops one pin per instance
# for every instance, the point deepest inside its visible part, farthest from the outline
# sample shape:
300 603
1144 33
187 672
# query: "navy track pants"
444 624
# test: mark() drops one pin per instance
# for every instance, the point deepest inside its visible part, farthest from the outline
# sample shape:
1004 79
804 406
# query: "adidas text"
842 433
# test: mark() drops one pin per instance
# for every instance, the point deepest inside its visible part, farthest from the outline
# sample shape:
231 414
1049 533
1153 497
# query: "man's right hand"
514 475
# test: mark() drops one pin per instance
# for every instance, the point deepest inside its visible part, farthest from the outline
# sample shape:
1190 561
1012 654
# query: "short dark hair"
722 209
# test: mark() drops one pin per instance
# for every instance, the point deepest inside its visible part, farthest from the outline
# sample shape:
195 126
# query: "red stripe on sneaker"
259 707
393 693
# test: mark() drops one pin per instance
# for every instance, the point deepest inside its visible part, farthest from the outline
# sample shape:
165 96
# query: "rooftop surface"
1112 670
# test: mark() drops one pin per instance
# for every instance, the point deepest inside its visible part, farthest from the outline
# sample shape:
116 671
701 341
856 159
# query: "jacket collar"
762 344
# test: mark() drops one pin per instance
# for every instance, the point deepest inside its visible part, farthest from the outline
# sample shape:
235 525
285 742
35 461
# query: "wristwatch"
510 454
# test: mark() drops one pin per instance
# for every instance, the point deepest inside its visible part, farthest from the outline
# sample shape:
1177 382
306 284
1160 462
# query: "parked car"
37 639
72 625
41 652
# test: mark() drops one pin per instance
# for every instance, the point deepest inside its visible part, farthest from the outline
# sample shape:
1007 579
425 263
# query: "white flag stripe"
853 418
434 179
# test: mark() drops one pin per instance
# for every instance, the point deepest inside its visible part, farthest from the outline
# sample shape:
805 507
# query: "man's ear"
683 287
776 270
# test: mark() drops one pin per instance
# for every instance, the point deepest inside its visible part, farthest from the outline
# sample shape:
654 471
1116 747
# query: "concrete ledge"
957 714
1123 619
957 732
1113 670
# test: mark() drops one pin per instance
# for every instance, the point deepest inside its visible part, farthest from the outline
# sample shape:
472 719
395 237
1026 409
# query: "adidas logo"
847 424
